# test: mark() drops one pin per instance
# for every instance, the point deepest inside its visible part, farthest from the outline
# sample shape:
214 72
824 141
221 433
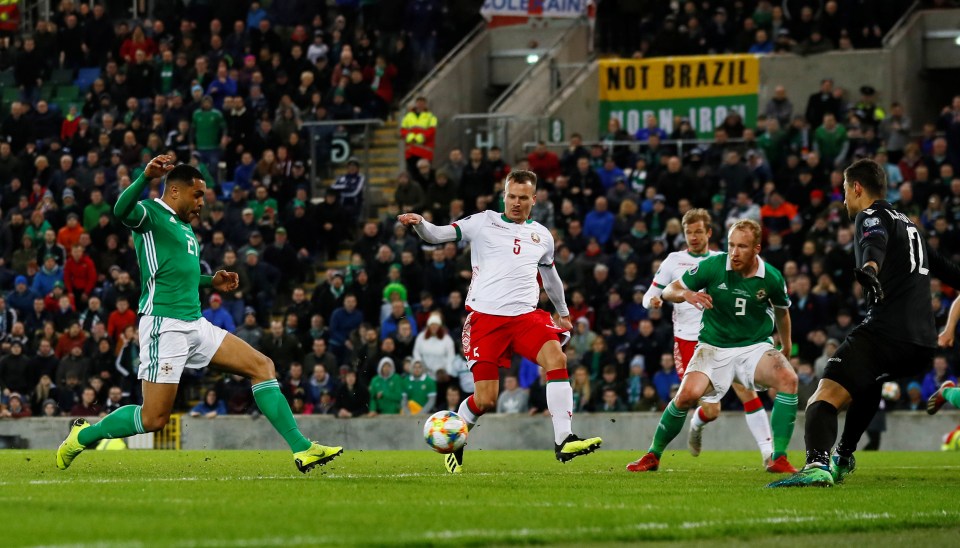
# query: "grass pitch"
257 498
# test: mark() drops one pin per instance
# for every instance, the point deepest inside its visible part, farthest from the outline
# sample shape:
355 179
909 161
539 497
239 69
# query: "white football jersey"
505 256
686 317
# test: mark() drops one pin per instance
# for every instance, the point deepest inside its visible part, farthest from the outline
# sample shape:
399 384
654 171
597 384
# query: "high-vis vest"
419 134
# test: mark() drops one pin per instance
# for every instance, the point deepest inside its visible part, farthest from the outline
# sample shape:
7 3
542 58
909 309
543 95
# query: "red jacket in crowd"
80 275
118 321
547 166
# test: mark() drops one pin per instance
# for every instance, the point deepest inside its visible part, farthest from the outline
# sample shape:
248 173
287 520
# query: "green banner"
701 89
704 113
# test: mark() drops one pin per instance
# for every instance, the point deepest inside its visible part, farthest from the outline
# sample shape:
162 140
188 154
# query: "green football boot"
809 476
842 467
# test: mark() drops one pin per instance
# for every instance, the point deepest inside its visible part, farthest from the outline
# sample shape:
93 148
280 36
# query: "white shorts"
168 345
724 365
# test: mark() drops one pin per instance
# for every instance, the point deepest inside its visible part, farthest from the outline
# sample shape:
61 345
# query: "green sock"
782 420
671 423
952 395
123 422
274 406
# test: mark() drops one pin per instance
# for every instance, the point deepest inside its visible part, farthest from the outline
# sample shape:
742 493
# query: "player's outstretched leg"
236 356
948 392
693 386
125 421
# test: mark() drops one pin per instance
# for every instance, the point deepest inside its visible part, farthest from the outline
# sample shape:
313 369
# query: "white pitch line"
513 534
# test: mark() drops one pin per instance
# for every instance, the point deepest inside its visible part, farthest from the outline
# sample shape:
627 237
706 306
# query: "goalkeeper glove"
867 277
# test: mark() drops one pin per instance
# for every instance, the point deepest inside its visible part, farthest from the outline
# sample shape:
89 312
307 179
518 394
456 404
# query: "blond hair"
748 225
696 215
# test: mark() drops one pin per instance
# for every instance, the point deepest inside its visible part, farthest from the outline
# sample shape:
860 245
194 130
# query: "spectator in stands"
352 397
121 318
217 315
513 399
418 130
281 347
343 321
386 389
211 406
779 106
79 274
938 375
434 348
349 187
544 163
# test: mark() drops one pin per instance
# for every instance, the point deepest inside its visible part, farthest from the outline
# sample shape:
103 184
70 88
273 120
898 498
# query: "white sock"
466 414
759 425
697 422
560 404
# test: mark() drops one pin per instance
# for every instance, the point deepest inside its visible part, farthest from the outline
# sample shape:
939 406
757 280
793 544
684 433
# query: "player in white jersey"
507 251
686 330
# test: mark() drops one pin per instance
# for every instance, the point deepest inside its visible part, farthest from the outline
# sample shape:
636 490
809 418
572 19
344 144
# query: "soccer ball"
890 391
445 432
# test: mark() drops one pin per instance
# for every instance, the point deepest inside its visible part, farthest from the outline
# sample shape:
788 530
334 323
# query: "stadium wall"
906 431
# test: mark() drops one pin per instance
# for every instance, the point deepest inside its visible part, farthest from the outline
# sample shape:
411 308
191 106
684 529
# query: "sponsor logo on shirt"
693 269
723 285
498 225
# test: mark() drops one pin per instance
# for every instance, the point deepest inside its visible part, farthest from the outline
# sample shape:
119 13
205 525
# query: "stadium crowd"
640 28
381 336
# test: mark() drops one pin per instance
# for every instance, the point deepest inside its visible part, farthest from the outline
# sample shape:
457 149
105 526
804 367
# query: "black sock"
820 431
859 414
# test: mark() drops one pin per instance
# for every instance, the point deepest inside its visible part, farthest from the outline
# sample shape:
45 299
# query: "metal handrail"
441 64
663 142
367 123
547 57
902 22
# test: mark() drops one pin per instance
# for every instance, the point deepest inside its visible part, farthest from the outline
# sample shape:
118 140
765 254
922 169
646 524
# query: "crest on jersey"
871 221
535 237
761 294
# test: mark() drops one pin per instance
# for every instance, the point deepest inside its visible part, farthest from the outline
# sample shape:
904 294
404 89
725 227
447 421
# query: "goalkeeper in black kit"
897 339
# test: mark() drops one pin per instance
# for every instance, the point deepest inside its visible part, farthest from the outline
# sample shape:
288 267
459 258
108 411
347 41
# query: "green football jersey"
169 257
742 312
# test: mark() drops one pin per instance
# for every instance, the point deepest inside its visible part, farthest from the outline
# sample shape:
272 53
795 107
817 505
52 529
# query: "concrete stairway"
384 162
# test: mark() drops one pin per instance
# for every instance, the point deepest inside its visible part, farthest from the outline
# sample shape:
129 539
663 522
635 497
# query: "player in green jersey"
743 299
173 334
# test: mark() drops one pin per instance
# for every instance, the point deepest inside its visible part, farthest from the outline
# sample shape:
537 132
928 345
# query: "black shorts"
865 360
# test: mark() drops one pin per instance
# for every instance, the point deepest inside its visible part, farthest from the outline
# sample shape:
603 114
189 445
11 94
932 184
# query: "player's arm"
945 339
677 292
553 285
429 232
663 277
781 317
872 235
687 288
943 268
126 209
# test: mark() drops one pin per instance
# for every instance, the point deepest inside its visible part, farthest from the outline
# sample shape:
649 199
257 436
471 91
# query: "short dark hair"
522 177
184 174
870 175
